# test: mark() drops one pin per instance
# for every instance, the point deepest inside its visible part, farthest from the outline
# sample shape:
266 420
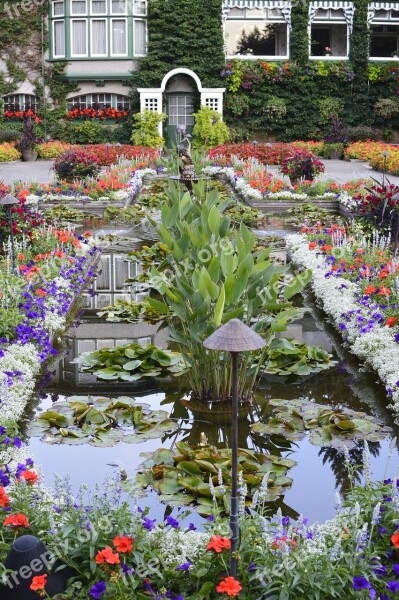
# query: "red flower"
395 540
18 520
29 476
41 292
229 586
312 245
370 290
390 322
384 291
219 543
38 583
124 544
4 499
107 556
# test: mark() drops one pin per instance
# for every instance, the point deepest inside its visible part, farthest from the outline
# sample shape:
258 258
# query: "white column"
151 99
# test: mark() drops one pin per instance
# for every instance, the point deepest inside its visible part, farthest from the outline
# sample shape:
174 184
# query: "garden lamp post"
234 337
8 202
385 154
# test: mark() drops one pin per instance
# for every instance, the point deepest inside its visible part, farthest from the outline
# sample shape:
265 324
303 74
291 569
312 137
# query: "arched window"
100 102
19 102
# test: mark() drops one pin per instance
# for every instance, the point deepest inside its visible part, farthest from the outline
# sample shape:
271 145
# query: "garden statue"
186 163
307 169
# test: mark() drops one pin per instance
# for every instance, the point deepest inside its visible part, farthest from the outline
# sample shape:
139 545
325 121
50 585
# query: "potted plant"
302 164
28 143
327 51
336 140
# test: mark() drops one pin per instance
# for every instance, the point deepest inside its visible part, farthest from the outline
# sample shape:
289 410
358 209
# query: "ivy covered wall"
183 33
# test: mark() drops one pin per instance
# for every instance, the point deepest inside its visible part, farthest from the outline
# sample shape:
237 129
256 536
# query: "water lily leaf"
132 365
344 424
205 465
176 499
106 438
54 418
168 486
108 373
190 467
129 377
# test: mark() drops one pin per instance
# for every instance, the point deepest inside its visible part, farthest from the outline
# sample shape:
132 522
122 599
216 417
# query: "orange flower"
384 291
38 583
29 476
395 540
124 544
370 289
41 292
21 256
312 245
107 556
4 499
76 243
219 543
18 520
60 254
229 586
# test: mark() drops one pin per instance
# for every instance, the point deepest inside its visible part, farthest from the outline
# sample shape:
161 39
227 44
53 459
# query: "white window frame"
342 20
87 39
79 14
122 14
111 46
144 14
389 21
55 21
134 36
96 14
106 38
285 6
53 7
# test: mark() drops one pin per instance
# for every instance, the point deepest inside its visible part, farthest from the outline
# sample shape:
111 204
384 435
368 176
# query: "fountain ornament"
187 173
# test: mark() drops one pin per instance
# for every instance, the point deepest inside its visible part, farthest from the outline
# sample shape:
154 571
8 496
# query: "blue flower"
192 527
172 522
395 569
393 586
360 583
98 589
148 524
184 567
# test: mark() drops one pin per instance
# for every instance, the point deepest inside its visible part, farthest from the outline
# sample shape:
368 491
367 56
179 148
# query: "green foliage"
131 311
299 39
100 422
328 427
329 107
242 213
182 33
214 275
10 135
290 357
386 107
202 474
209 129
87 132
145 130
131 362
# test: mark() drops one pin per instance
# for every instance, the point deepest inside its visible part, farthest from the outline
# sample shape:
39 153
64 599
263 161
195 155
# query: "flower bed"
106 154
356 285
382 157
8 152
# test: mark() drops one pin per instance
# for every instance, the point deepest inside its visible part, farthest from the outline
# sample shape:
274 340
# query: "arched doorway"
180 94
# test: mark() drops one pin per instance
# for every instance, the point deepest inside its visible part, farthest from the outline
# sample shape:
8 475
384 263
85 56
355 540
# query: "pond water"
319 472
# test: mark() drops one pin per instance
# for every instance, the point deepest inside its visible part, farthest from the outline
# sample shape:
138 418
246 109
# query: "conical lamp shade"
234 336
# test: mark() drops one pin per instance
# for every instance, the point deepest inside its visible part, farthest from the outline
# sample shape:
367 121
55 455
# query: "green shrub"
51 150
87 132
145 130
10 135
361 133
209 129
387 108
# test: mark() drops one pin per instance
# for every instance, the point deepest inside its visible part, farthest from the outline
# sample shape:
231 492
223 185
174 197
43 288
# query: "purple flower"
192 527
393 586
184 567
126 570
148 524
380 571
172 522
17 442
360 583
98 589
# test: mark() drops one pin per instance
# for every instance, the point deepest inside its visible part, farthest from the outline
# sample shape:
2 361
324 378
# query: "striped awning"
284 5
348 9
373 6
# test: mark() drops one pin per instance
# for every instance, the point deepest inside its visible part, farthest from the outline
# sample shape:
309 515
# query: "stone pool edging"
337 295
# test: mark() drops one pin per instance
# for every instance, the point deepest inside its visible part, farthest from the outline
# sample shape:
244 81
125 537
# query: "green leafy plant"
145 130
87 132
131 362
130 311
200 474
100 422
131 214
290 357
329 427
241 213
209 129
214 275
61 215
